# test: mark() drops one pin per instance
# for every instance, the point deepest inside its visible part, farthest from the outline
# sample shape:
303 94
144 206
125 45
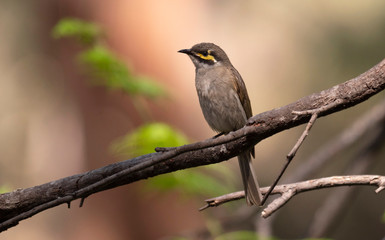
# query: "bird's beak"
186 51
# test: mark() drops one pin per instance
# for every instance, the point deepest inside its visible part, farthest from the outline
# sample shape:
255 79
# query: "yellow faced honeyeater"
225 103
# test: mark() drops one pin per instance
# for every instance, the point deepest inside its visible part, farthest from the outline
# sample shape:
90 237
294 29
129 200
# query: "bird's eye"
205 53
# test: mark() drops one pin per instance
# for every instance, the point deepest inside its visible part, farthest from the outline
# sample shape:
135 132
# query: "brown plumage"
225 103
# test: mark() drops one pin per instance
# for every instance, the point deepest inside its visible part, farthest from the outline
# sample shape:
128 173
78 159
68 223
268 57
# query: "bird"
225 104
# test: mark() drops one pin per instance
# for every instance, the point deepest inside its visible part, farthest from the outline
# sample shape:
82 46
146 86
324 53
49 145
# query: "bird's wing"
241 90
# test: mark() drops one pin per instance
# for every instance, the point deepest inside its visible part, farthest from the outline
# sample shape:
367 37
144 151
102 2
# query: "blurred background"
55 123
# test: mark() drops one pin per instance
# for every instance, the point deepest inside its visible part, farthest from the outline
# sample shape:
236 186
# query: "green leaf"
103 65
111 72
83 31
4 188
191 182
210 180
145 138
146 86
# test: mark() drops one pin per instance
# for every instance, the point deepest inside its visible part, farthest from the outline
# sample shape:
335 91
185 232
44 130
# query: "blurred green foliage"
192 182
145 138
5 188
109 71
84 32
104 66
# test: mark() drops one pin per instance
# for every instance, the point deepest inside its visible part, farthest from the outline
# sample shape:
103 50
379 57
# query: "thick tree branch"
15 205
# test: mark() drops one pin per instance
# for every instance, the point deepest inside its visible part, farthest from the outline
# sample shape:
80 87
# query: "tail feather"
252 192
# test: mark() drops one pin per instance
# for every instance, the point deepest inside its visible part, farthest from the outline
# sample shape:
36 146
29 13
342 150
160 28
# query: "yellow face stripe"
209 57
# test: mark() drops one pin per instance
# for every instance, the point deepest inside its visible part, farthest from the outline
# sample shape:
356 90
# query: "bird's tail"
252 192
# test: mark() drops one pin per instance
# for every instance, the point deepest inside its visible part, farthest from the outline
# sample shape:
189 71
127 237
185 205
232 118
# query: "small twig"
213 202
346 138
82 202
320 109
167 149
315 113
293 151
15 220
287 191
327 182
196 146
305 133
219 134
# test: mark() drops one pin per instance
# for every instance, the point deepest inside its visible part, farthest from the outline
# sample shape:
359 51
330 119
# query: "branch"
23 203
293 151
368 123
287 191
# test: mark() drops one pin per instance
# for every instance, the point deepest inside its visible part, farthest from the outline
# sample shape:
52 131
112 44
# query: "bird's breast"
219 101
